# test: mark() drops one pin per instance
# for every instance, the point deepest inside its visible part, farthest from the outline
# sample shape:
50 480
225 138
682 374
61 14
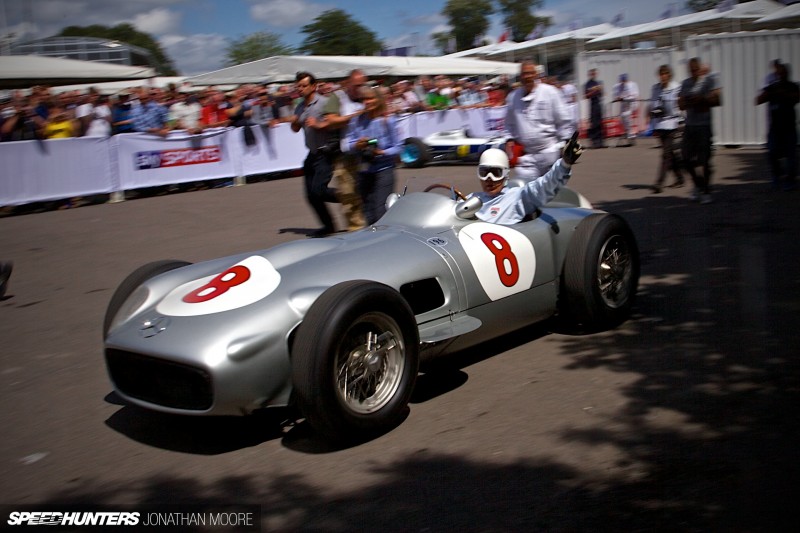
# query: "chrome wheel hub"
614 271
370 363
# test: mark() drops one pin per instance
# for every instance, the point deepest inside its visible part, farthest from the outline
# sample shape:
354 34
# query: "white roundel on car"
242 284
503 258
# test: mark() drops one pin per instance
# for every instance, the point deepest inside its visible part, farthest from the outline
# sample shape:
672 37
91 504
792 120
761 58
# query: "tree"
517 16
334 32
468 20
255 46
127 34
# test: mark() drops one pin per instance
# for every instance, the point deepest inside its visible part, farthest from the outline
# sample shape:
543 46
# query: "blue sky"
195 33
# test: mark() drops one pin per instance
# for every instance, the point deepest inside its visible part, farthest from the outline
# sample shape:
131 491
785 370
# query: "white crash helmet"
493 165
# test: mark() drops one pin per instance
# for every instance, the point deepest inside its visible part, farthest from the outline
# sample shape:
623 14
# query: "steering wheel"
458 193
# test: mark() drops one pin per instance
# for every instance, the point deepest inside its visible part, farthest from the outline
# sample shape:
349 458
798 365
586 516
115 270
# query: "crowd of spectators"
44 113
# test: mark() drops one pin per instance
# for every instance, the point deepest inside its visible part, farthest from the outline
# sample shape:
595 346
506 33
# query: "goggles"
492 173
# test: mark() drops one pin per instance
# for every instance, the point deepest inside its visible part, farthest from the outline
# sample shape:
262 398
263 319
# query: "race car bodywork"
450 145
337 326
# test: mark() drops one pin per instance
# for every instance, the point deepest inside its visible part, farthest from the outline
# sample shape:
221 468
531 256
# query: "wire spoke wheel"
601 273
370 364
614 271
355 360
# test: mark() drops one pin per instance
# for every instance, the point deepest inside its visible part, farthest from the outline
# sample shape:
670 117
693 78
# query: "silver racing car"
337 326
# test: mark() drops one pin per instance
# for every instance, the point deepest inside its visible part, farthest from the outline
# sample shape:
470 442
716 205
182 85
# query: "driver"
509 205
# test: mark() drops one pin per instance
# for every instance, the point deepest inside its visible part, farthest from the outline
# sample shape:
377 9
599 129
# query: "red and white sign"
177 157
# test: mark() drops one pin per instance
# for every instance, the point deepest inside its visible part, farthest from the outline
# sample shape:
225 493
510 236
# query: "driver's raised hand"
572 150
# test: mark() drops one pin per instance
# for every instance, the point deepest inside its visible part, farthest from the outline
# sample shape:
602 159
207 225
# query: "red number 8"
503 258
236 275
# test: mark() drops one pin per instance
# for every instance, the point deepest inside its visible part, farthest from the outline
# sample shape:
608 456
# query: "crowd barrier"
35 171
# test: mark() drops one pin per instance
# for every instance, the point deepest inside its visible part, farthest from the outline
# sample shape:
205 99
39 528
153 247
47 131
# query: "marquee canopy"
19 72
284 68
738 17
788 12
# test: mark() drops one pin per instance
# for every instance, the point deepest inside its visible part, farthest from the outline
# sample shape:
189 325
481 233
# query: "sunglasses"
492 173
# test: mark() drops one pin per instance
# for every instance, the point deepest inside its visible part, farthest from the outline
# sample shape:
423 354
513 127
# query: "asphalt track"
683 419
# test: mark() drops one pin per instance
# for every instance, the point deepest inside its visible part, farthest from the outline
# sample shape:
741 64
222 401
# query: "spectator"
782 96
373 138
84 110
538 119
149 116
20 122
437 99
213 114
413 103
185 113
121 113
626 92
283 102
59 124
265 110
423 86
698 94
570 94
100 123
495 95
471 96
396 104
322 149
593 91
239 110
666 121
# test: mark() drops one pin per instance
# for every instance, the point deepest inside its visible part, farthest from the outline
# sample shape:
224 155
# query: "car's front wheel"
355 361
601 273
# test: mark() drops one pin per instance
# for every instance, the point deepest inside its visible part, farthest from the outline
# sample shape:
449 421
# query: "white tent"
666 32
284 68
560 45
484 50
114 87
17 72
788 12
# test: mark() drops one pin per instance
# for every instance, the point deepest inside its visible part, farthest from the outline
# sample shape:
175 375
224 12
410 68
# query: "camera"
657 112
368 153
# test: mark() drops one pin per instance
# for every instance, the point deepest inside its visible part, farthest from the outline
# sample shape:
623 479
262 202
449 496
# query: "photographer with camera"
666 123
372 136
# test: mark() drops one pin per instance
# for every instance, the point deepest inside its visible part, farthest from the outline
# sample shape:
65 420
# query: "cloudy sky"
194 33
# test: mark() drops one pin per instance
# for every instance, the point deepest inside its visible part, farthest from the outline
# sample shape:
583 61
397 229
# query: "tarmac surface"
685 418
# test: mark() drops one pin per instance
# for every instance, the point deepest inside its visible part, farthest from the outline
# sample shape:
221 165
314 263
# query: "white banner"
36 171
276 149
149 160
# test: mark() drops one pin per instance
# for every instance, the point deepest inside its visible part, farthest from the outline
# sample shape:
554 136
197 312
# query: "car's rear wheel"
132 282
355 361
415 154
601 273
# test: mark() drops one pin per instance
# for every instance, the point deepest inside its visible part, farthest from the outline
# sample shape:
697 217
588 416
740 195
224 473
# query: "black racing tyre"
415 153
601 273
132 282
355 361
